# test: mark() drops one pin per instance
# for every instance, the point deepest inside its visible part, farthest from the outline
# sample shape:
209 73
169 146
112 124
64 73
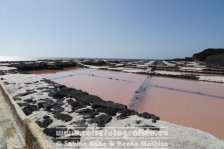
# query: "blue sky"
110 28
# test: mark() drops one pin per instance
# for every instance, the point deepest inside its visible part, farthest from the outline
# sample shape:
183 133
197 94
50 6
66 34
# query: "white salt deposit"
169 64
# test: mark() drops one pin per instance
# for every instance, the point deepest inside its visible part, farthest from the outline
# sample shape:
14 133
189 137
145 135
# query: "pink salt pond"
189 103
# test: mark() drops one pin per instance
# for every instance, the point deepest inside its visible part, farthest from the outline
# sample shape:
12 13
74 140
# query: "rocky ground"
56 107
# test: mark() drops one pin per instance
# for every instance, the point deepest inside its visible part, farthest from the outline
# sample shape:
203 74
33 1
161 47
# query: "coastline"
34 94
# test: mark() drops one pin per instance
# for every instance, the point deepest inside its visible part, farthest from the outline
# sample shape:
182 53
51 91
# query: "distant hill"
201 56
217 59
210 56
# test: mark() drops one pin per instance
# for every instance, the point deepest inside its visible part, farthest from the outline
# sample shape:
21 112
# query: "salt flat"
178 136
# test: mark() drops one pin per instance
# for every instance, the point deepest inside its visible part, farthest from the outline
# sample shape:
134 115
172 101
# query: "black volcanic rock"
102 120
2 73
147 115
26 93
154 120
127 112
51 106
29 100
17 98
150 127
62 91
22 104
42 88
29 109
108 107
80 125
138 121
75 105
47 103
58 94
46 122
52 132
79 95
150 116
108 111
46 117
79 122
72 102
59 102
63 117
89 99
87 113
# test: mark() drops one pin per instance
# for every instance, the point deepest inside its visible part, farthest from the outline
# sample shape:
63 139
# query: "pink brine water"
189 103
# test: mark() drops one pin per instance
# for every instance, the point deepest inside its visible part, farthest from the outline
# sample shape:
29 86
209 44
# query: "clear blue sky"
110 28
